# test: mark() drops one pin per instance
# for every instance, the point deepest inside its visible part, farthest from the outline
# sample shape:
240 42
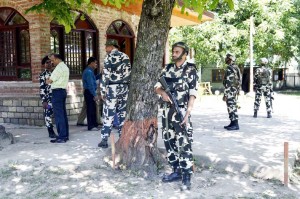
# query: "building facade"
26 38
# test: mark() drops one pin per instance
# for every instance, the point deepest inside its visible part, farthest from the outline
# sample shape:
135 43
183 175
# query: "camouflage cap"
112 42
181 45
264 60
230 56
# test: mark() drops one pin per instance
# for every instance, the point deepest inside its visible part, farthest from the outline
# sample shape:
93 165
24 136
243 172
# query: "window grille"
217 75
8 61
14 46
73 52
54 42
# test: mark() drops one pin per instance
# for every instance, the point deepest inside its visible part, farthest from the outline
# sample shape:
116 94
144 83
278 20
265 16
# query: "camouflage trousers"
178 145
231 103
48 113
115 102
262 90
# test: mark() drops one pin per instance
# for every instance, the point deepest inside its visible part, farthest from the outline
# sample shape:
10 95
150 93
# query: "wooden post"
113 149
286 164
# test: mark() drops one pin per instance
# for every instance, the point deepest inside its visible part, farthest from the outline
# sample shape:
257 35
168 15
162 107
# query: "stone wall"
27 110
20 102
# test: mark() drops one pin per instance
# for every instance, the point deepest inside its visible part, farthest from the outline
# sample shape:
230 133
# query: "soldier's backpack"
237 81
264 77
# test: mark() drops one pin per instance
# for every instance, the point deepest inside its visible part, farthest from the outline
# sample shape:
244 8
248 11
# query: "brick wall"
19 101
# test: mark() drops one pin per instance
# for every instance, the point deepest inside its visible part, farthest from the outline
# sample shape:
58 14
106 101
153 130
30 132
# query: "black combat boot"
186 182
225 127
255 114
269 115
175 176
235 126
51 133
103 143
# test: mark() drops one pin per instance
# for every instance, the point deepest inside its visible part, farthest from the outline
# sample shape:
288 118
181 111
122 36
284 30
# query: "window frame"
219 71
16 34
83 32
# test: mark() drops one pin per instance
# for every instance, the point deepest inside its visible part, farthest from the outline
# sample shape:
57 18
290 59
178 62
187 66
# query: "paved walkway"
257 148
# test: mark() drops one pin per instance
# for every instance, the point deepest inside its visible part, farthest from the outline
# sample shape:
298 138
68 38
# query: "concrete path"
256 149
258 146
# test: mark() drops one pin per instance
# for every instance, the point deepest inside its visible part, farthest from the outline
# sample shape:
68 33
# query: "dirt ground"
35 168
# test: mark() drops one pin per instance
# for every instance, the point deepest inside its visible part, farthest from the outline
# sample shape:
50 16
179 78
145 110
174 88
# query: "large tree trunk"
136 149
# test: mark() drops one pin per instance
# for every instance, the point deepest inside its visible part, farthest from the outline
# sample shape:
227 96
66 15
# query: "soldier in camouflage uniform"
114 88
263 86
46 95
181 77
232 83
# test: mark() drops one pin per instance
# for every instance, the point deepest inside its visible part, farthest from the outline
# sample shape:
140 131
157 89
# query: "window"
217 75
278 74
121 31
75 47
54 41
14 46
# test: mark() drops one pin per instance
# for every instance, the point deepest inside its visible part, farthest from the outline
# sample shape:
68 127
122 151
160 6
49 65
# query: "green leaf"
104 1
230 4
68 28
214 4
118 4
82 17
182 9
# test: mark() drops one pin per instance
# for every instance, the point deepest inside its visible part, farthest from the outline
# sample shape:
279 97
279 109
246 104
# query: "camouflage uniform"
263 86
232 82
114 87
46 95
182 83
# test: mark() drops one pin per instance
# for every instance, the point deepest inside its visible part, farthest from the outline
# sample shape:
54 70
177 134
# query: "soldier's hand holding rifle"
165 97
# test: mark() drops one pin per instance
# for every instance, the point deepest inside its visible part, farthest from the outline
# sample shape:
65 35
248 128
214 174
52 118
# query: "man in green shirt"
59 80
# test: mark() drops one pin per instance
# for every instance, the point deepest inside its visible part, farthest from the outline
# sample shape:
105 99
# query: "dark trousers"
90 109
59 97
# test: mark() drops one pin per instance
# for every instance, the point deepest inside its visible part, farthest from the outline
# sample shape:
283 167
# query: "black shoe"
58 141
269 115
235 126
225 127
175 176
255 114
103 143
78 124
51 133
186 182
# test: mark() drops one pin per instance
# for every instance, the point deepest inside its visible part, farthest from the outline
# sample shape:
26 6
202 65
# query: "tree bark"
136 149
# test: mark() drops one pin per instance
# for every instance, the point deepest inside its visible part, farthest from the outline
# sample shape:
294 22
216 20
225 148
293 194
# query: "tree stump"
6 138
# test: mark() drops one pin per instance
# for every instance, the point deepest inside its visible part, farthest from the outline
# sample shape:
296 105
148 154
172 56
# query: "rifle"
163 82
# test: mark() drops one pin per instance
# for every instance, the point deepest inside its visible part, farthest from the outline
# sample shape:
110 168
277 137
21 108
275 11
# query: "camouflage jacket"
182 81
117 70
45 89
232 78
258 77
